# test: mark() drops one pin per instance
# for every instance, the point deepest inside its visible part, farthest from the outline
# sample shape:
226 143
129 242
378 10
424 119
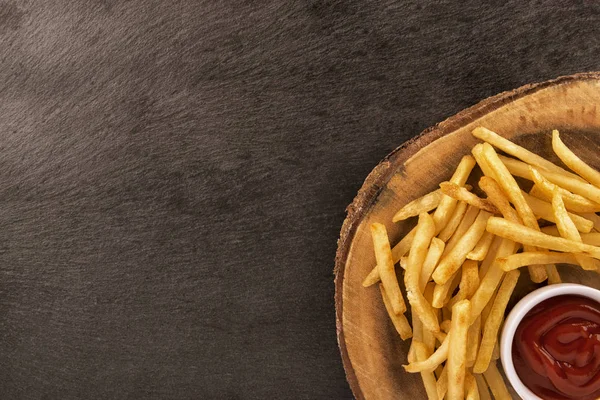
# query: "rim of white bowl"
518 313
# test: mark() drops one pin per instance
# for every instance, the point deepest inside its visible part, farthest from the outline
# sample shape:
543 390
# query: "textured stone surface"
173 175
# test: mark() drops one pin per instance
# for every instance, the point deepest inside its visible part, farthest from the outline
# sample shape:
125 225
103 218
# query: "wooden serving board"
372 352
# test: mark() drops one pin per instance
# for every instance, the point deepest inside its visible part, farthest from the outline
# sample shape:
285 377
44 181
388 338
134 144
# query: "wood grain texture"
372 351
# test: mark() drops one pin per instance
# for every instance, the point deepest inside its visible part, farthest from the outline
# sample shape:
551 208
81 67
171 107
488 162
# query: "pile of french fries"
462 260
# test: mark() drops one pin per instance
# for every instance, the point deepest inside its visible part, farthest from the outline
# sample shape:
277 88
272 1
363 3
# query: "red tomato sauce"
556 349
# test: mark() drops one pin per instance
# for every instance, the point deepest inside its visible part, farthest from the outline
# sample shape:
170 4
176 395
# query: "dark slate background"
174 174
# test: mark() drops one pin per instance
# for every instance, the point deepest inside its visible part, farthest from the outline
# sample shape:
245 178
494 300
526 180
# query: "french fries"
457 354
400 321
418 206
484 393
528 236
416 257
462 194
496 383
460 263
385 266
572 161
427 376
492 324
450 263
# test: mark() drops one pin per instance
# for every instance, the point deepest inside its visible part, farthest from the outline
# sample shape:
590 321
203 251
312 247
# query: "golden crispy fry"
490 281
492 324
417 330
471 391
442 293
481 248
477 152
573 202
572 161
436 248
451 262
595 218
528 236
490 257
416 257
457 353
473 342
575 185
498 198
427 376
430 364
519 152
469 281
462 228
496 383
462 194
445 325
542 257
442 384
385 265
457 216
422 204
403 262
398 251
429 337
484 393
447 205
514 194
400 321
543 209
567 229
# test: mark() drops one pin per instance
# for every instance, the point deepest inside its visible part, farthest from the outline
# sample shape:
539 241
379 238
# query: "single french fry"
403 262
484 393
578 186
450 263
595 218
519 152
492 324
417 329
462 228
574 162
442 384
528 236
543 209
447 205
481 248
431 363
490 257
461 194
496 383
427 377
477 152
457 216
416 257
398 251
457 353
514 194
436 248
567 229
490 281
422 204
445 325
469 281
471 391
429 337
385 265
400 322
519 260
442 293
573 202
473 342
592 238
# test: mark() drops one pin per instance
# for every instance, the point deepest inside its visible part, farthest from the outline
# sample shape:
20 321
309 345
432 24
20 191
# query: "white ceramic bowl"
514 319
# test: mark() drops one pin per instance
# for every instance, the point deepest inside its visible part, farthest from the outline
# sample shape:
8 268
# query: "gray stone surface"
173 175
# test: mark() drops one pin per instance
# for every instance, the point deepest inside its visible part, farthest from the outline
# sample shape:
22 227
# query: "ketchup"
556 349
